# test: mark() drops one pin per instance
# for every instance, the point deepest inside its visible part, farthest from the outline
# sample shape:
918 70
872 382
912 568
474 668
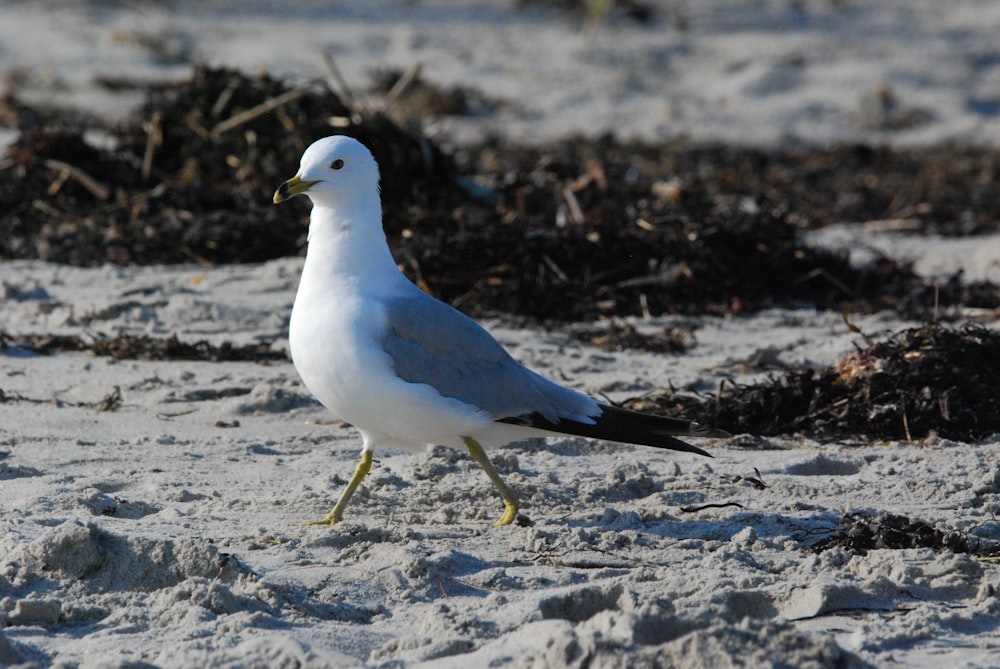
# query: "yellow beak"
291 188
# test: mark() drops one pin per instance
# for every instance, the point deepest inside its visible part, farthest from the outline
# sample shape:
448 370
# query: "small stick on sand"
695 509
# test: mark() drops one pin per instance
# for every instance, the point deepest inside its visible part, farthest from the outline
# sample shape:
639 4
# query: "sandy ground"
163 532
751 71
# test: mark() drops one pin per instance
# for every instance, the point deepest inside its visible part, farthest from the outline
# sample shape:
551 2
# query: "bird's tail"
630 427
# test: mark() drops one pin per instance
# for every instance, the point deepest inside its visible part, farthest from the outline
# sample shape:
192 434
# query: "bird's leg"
360 472
510 501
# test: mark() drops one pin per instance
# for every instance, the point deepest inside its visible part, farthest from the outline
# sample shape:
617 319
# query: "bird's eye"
337 164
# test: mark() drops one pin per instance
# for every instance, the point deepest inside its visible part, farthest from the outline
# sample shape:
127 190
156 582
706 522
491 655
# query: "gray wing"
432 343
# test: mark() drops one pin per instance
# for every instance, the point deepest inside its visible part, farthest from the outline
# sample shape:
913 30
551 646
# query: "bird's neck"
345 248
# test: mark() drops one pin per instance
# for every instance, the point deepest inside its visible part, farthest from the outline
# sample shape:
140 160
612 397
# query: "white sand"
755 71
161 533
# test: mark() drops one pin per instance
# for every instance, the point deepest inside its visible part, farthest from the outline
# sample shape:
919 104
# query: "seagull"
406 369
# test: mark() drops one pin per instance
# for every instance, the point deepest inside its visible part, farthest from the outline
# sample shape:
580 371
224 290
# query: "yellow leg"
510 501
360 472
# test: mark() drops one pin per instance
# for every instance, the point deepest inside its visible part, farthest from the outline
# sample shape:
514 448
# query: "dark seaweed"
573 231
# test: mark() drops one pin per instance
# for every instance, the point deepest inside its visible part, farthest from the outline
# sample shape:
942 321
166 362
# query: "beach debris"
124 346
571 231
756 481
188 177
614 335
861 532
934 379
596 12
111 401
714 505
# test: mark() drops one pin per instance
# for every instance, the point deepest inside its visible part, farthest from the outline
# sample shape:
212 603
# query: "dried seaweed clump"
615 336
863 532
143 347
190 176
921 380
572 231
585 229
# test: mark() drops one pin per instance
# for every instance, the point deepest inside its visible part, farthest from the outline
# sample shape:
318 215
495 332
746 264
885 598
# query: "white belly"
335 348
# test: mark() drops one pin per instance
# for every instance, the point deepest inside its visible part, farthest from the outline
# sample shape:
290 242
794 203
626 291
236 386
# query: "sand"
162 532
750 71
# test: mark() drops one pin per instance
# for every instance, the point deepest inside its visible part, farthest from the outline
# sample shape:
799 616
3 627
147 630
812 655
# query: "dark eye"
337 164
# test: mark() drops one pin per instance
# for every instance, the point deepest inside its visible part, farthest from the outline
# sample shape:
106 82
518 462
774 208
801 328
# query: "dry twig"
252 113
66 171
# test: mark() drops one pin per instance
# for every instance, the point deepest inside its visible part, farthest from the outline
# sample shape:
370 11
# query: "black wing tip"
688 448
628 427
694 449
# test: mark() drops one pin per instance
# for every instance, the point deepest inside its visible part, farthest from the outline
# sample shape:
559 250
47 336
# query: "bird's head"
333 169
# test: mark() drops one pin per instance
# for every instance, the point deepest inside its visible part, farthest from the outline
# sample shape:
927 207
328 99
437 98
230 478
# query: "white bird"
406 369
